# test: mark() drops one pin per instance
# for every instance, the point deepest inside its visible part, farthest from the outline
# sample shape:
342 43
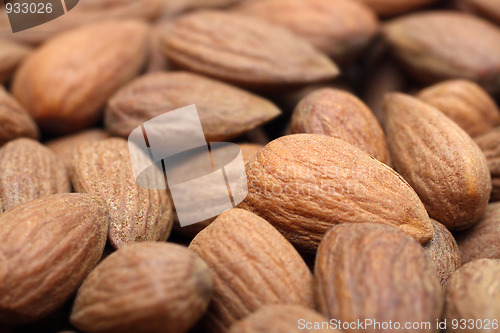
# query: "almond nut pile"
369 141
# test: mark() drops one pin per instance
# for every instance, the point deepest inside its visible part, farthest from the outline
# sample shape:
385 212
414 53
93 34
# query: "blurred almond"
15 122
490 145
11 55
394 7
486 8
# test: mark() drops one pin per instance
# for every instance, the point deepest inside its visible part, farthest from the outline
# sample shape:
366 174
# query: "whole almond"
145 287
490 145
225 111
327 25
252 266
393 7
47 247
28 171
304 184
372 271
15 122
11 55
464 102
486 8
483 240
473 295
83 67
442 163
424 44
103 169
344 116
251 53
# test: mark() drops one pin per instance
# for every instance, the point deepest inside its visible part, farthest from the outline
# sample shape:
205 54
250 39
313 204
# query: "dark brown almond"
394 7
439 159
490 145
225 111
486 8
11 55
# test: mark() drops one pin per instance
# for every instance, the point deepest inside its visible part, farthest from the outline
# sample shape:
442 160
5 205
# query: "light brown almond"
11 55
490 145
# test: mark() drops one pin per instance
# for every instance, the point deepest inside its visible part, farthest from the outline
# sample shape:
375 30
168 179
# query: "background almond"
15 122
393 7
11 55
490 145
487 8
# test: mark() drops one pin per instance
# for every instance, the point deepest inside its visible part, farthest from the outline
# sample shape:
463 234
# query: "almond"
442 45
47 247
28 171
393 7
146 287
371 271
486 8
11 55
465 103
244 51
252 266
304 184
103 169
344 116
490 145
225 111
83 71
442 163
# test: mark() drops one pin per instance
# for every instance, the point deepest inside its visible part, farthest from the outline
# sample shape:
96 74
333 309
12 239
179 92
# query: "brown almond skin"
439 159
327 25
342 115
225 111
47 248
15 122
490 145
11 55
393 7
424 45
464 102
473 293
444 252
252 53
363 268
103 169
252 265
28 171
145 287
281 319
304 184
489 9
83 72
483 240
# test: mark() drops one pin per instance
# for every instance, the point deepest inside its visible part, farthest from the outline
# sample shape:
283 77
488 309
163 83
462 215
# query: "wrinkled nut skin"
201 42
342 115
252 265
393 7
28 171
83 71
464 102
281 319
144 287
444 252
103 169
363 268
424 45
490 145
439 159
47 248
11 55
304 184
327 25
483 240
473 293
225 111
15 122
486 8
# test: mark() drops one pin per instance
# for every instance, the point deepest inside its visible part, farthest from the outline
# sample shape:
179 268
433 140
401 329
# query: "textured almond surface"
371 271
11 55
281 319
15 122
103 169
473 293
225 111
446 45
146 287
252 265
47 247
341 29
29 171
442 163
483 240
344 116
83 68
465 103
490 145
393 7
304 184
487 8
244 51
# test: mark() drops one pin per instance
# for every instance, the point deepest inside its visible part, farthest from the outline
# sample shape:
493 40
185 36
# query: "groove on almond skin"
47 248
490 145
304 184
252 265
439 159
29 170
103 169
